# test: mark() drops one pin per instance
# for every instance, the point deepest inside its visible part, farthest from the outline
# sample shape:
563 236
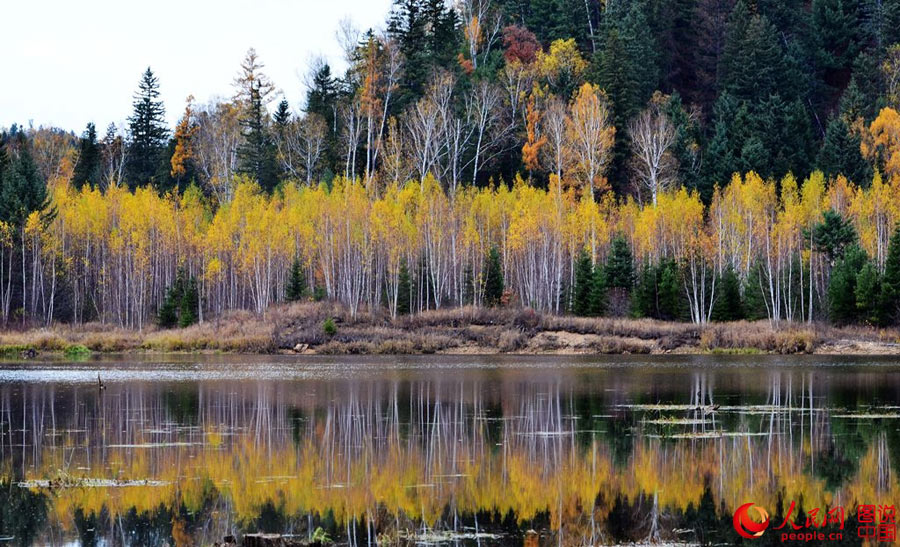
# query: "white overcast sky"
67 62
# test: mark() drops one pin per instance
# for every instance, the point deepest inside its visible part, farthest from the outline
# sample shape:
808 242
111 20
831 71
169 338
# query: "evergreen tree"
868 295
190 304
688 136
167 316
882 21
625 66
619 265
256 154
87 168
752 65
840 154
493 283
833 235
599 288
729 305
755 307
670 293
282 117
659 293
842 295
582 291
557 20
147 132
890 282
321 99
181 305
22 189
296 285
404 290
838 36
426 32
643 299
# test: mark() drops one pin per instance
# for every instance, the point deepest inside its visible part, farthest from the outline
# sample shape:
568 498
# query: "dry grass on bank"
467 329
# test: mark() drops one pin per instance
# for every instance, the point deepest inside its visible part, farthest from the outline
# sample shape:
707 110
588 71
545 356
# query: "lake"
438 449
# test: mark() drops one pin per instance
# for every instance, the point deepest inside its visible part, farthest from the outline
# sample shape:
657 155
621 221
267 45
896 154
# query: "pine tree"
321 99
842 286
670 294
729 304
752 65
87 168
840 154
493 281
584 285
754 298
181 305
833 235
404 290
190 304
296 285
868 294
168 314
426 32
890 282
619 265
282 117
659 293
837 33
643 299
147 132
256 155
22 189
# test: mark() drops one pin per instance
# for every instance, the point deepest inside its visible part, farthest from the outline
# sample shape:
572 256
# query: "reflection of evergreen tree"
23 513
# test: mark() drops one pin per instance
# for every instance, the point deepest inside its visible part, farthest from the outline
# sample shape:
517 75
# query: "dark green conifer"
296 285
493 280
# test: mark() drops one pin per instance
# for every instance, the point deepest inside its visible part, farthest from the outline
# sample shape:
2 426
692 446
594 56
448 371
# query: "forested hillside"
681 159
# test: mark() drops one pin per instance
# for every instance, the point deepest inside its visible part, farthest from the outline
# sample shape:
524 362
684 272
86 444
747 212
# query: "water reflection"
566 457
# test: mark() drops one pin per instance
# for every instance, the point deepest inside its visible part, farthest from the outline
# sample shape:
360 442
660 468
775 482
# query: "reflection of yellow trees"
402 480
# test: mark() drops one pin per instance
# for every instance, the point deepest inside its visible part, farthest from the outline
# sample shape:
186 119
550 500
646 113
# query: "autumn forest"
689 160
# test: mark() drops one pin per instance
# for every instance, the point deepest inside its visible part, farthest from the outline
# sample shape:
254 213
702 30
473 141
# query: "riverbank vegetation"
331 329
481 156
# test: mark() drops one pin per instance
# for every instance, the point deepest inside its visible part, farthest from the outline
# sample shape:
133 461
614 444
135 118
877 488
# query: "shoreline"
298 329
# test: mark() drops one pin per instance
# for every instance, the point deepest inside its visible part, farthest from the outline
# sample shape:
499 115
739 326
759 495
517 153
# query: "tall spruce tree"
620 265
493 279
256 154
322 99
426 32
842 286
599 289
296 285
840 154
87 168
729 304
404 290
189 309
22 189
833 235
147 132
582 291
868 295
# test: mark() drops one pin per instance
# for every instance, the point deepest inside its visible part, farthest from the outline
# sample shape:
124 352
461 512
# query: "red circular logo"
746 526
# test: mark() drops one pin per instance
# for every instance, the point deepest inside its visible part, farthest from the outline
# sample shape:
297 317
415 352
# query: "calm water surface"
455 450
